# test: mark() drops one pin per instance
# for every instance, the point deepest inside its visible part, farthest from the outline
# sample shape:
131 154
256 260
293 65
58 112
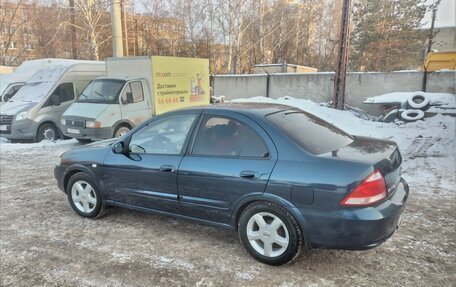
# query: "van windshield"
310 132
33 92
102 91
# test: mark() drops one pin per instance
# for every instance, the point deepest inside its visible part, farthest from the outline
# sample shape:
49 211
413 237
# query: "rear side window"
227 137
254 146
310 132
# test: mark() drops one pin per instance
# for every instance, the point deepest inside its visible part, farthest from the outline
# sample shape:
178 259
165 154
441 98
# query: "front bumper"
357 228
20 130
87 133
58 174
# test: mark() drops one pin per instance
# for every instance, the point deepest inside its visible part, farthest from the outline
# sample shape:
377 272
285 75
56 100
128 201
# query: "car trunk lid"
380 154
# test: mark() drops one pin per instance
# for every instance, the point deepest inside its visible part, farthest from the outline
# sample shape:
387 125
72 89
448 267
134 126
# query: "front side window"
226 137
132 93
65 92
102 91
166 136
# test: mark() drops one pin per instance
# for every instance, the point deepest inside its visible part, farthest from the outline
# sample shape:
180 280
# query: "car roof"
254 109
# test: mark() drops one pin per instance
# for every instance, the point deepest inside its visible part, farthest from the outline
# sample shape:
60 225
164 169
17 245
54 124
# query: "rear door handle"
248 174
167 167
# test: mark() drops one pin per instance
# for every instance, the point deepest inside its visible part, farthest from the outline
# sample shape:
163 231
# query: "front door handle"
248 174
167 167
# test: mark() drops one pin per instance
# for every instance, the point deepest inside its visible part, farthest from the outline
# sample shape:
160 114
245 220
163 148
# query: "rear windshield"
311 133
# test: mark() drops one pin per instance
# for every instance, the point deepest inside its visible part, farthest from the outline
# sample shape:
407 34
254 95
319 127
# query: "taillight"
371 190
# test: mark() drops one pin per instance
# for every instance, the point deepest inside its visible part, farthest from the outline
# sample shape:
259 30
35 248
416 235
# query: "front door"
231 158
146 176
52 110
134 104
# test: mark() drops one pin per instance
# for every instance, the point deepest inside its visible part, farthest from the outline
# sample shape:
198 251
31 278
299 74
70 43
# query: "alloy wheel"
83 196
267 234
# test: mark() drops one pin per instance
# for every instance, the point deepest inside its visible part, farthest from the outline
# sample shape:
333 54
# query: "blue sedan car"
284 179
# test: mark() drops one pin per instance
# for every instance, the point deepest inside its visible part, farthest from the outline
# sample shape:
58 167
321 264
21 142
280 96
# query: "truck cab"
135 89
108 107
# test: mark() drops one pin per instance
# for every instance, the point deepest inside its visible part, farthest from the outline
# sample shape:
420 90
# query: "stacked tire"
416 105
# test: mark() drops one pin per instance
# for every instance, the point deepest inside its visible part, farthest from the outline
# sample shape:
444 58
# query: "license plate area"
73 131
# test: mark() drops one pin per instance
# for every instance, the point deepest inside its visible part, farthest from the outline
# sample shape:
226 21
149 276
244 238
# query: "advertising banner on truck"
179 82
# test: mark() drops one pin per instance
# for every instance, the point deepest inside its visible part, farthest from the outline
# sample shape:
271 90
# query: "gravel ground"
44 243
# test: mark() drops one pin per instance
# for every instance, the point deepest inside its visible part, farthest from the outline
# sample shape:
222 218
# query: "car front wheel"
270 234
84 197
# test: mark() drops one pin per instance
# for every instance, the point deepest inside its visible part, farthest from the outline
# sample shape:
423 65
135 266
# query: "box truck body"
135 89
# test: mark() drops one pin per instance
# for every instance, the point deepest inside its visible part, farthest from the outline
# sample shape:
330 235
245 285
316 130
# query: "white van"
11 83
35 111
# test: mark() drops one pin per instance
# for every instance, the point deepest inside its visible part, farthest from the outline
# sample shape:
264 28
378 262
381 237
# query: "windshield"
310 132
102 91
33 92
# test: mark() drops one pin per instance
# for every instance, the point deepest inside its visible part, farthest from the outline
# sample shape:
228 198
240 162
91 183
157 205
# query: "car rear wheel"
270 234
84 197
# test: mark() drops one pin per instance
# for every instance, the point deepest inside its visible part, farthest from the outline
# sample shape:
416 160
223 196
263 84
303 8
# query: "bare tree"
12 26
94 23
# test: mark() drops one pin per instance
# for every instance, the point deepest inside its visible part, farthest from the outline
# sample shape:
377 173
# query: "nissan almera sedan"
284 179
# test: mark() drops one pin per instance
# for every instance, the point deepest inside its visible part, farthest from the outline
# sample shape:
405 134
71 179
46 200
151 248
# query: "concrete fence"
318 87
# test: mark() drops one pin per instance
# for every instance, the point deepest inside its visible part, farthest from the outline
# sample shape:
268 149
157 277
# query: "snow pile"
7 146
435 99
428 147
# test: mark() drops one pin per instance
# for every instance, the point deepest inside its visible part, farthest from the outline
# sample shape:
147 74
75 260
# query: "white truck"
135 89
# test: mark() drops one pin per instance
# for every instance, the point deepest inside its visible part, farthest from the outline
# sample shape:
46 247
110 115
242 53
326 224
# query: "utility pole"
342 57
430 39
136 37
74 51
124 16
116 28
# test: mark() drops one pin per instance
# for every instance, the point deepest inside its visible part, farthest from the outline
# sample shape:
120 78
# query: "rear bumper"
357 228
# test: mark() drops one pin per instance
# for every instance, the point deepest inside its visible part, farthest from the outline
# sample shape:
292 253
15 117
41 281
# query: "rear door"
135 104
231 157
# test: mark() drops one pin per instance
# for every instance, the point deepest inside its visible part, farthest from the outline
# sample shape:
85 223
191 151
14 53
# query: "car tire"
84 196
47 131
120 131
412 115
270 234
418 101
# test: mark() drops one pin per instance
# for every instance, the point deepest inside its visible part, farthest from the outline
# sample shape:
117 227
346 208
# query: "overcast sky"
446 14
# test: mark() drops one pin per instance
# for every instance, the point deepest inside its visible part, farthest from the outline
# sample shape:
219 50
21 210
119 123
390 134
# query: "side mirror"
55 100
6 97
119 148
129 98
